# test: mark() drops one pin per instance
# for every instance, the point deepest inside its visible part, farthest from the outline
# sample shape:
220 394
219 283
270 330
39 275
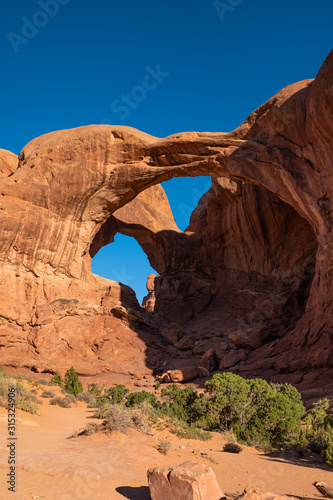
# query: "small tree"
56 379
72 382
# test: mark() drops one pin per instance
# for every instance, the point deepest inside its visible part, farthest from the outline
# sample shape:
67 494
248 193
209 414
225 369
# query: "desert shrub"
33 398
90 429
28 406
72 382
180 403
253 409
315 420
137 398
116 394
21 391
163 446
71 398
48 394
232 448
187 431
230 436
328 447
111 396
94 389
318 434
23 400
87 397
157 386
120 418
56 379
42 381
62 402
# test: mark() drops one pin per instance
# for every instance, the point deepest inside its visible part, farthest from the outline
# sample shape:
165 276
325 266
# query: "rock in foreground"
188 481
258 494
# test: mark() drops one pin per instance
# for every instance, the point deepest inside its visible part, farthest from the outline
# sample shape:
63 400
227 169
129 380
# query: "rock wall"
253 271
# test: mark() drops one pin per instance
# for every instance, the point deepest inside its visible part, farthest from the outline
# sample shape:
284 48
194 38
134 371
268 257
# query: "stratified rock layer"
251 277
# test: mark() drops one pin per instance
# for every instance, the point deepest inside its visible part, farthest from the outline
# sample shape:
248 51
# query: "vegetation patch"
62 402
24 400
232 448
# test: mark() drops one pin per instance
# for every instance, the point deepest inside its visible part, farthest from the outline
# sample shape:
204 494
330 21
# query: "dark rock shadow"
134 493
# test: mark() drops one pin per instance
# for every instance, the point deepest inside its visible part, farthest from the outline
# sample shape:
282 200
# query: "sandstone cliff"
251 277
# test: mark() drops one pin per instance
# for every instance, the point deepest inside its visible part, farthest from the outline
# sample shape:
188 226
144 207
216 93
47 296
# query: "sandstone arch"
69 183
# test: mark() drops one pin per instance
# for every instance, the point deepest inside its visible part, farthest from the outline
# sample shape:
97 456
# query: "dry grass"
163 446
232 448
119 418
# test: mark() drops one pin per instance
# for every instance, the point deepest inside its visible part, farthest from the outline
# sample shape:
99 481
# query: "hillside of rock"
250 280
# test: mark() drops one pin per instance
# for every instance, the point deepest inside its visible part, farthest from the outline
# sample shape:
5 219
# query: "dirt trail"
52 467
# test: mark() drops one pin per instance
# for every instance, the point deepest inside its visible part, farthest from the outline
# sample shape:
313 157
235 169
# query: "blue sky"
67 63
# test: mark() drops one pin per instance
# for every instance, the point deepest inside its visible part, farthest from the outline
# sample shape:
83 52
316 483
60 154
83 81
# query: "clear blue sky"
67 63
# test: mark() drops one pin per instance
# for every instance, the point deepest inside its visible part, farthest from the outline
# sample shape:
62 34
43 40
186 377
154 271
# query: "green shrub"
253 409
94 389
181 403
137 398
328 451
184 430
318 434
72 382
56 379
111 396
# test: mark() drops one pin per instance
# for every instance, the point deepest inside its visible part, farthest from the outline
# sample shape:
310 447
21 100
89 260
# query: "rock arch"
68 184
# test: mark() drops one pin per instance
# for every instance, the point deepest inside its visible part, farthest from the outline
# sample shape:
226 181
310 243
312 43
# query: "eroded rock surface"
190 481
254 266
259 494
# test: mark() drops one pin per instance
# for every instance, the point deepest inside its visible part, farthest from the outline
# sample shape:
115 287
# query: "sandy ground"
50 466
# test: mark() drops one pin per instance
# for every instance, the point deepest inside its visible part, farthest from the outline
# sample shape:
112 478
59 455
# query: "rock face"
190 481
254 266
258 494
150 299
8 163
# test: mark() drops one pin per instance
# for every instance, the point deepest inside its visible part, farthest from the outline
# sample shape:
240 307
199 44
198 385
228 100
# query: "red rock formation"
258 494
8 163
255 264
190 480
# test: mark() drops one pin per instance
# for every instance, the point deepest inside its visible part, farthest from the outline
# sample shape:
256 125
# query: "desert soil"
51 467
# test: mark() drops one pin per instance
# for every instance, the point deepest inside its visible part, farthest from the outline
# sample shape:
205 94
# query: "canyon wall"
250 278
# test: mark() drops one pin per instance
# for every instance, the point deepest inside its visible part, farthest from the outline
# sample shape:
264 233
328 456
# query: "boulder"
184 374
172 333
258 494
148 302
209 360
188 481
231 358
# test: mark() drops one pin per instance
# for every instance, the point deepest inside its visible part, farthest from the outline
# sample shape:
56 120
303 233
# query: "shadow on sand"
134 493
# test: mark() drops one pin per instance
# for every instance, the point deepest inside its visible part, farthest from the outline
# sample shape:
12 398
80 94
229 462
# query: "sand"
51 466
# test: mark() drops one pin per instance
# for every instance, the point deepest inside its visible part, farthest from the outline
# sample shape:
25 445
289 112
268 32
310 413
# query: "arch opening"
124 261
245 262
